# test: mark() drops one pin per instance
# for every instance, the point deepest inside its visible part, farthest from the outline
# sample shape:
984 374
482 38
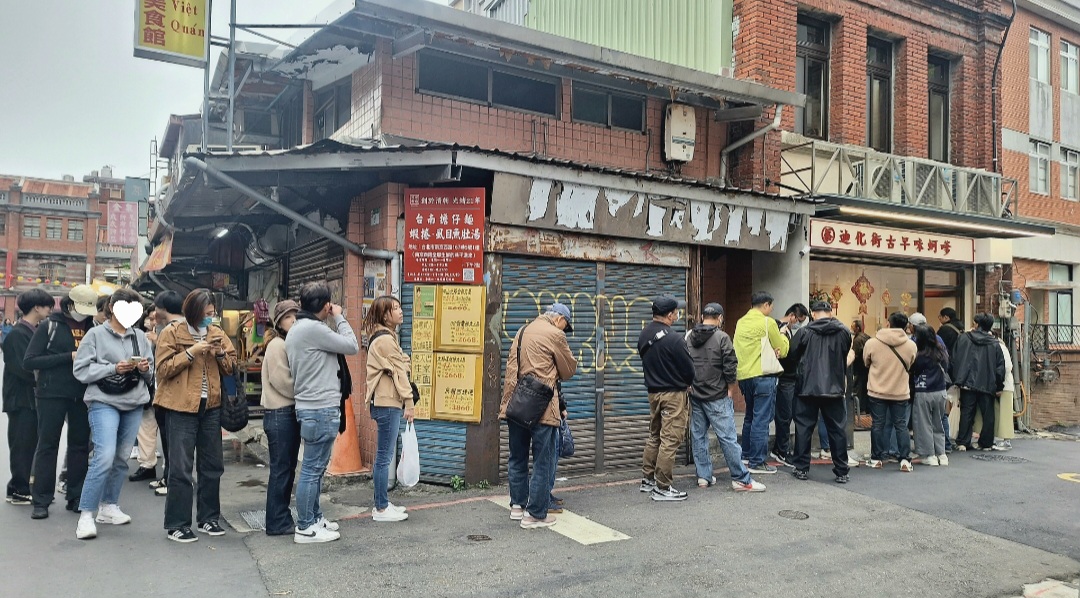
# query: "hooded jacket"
888 380
52 358
665 359
715 364
978 363
820 349
100 352
18 381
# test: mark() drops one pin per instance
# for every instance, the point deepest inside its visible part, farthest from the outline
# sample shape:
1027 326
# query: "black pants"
970 400
51 416
194 441
806 419
22 442
161 415
785 403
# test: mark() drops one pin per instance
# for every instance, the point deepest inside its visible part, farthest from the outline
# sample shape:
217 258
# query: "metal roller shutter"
629 290
441 443
529 286
318 260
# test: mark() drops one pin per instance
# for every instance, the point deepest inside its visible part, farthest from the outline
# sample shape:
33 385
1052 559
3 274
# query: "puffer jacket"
546 355
179 379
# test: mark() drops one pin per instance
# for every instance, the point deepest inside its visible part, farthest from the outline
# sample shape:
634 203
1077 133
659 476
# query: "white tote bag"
408 469
769 363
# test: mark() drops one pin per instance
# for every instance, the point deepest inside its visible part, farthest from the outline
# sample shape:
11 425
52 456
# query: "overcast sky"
73 98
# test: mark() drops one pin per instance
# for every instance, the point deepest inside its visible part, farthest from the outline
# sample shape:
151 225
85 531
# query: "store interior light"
851 211
219 232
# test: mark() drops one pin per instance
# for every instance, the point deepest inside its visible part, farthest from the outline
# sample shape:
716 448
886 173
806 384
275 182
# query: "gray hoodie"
312 348
99 352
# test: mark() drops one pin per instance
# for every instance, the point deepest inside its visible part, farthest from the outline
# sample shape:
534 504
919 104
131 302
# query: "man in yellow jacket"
758 383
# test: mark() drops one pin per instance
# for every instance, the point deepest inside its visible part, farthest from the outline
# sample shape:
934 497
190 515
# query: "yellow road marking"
1070 477
571 525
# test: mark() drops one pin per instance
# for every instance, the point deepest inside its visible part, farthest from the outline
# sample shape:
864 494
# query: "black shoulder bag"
118 384
530 398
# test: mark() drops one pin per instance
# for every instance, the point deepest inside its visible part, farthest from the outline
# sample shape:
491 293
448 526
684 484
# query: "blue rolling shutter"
529 286
441 443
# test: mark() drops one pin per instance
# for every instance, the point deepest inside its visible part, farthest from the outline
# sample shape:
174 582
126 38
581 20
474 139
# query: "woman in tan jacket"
279 422
389 395
192 355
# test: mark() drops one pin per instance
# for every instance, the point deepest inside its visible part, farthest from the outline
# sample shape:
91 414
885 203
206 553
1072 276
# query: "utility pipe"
752 136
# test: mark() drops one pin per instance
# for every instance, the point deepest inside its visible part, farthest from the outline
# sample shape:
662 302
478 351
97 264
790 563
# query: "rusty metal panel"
537 242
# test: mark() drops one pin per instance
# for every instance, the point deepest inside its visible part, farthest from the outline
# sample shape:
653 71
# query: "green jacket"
749 331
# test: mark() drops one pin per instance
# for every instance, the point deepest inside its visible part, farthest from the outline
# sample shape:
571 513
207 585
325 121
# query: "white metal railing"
816 168
52 201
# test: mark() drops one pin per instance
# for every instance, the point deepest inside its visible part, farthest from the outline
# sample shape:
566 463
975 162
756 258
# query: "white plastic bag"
408 469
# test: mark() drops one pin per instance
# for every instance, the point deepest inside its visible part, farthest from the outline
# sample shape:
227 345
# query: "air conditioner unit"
221 149
680 133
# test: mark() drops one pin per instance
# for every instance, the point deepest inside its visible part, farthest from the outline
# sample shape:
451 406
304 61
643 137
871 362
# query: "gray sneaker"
762 468
647 484
667 494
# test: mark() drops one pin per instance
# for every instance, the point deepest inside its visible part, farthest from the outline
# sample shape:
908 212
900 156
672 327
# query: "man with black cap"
821 352
715 381
669 373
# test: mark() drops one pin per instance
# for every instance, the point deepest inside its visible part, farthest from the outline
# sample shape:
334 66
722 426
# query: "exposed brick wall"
1057 402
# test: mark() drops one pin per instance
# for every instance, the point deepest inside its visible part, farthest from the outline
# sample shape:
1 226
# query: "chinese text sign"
444 235
123 223
858 238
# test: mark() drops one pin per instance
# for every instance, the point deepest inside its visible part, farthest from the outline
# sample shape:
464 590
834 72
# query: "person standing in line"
52 353
545 355
889 356
978 368
313 349
795 318
279 421
170 306
928 384
1004 424
821 352
19 403
192 356
390 396
859 372
113 350
711 405
949 332
669 375
758 388
146 441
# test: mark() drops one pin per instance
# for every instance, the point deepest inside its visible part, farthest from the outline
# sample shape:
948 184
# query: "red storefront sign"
444 235
123 223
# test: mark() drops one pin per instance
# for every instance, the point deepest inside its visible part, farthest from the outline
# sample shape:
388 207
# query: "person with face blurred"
279 422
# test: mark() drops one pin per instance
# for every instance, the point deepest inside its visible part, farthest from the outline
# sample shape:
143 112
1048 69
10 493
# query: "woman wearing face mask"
116 362
60 397
192 355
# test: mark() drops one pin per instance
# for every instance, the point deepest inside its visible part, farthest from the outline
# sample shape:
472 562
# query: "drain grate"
796 515
999 458
477 538
256 520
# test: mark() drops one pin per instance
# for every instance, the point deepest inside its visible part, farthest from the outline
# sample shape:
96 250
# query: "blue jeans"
113 433
318 430
760 395
389 421
945 425
720 415
283 440
532 493
897 413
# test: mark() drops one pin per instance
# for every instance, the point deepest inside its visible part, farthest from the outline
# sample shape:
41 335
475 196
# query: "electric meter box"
680 133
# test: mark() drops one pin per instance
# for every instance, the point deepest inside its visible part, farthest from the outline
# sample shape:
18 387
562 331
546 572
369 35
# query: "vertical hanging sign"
172 31
444 235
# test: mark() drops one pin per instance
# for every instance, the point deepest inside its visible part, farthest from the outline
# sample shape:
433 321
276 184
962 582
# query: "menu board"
423 335
458 386
422 365
460 321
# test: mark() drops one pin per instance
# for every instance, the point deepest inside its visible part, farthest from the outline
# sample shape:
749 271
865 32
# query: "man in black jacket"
715 382
19 394
821 350
795 319
978 368
950 328
59 394
669 372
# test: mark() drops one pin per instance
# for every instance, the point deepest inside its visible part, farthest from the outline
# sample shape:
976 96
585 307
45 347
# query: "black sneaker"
142 474
781 458
183 535
667 494
73 505
841 479
18 499
800 474
647 484
211 528
40 513
761 468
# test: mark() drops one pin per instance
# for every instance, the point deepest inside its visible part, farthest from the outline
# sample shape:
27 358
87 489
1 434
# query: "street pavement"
974 529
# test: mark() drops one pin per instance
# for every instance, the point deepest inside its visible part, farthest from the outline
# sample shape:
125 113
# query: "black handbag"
234 408
531 397
118 384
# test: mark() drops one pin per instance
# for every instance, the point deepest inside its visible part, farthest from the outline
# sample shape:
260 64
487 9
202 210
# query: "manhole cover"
477 538
999 458
797 515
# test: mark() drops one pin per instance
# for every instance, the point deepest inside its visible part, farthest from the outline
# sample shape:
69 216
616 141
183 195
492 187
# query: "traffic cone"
345 457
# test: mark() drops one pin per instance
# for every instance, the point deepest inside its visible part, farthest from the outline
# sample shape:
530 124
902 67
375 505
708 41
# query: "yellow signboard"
172 31
422 410
423 335
460 318
458 386
422 364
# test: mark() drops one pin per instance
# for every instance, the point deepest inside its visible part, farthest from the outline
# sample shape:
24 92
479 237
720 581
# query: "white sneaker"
314 535
905 465
753 486
390 505
113 515
931 461
705 483
86 529
824 454
327 524
943 460
853 462
134 453
388 515
516 512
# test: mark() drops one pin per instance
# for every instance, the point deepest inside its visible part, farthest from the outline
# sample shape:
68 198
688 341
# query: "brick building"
54 234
